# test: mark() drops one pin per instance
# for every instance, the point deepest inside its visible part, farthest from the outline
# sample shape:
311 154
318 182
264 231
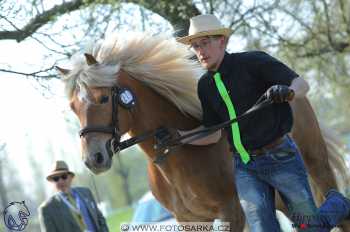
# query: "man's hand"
165 135
279 93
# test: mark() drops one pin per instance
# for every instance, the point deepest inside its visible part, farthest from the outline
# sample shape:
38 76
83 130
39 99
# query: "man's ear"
223 42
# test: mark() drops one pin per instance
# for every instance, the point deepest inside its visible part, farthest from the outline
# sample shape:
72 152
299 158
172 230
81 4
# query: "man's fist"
164 136
279 93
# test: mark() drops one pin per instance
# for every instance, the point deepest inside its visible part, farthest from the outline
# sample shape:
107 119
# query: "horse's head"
152 66
104 117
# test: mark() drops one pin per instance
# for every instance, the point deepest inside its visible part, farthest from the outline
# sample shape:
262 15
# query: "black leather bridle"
114 145
113 128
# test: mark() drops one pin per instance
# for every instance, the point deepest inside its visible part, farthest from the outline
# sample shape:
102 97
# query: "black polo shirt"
247 76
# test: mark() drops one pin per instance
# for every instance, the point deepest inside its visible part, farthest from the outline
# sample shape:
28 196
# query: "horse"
144 82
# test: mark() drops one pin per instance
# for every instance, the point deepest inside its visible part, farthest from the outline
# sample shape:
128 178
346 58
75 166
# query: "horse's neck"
153 110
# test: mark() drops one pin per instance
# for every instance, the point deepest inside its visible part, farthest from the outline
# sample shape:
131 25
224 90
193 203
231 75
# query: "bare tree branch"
328 24
177 13
34 74
40 20
343 15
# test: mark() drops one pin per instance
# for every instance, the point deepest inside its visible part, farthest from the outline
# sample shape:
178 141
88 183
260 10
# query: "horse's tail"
336 157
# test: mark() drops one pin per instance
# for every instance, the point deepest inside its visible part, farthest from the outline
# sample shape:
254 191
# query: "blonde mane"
159 62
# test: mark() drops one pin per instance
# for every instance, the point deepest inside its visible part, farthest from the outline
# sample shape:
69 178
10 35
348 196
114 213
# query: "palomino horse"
195 182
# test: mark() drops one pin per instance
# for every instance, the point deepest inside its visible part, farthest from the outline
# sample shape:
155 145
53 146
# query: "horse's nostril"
99 158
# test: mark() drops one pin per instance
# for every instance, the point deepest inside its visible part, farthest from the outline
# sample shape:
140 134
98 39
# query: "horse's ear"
90 60
62 71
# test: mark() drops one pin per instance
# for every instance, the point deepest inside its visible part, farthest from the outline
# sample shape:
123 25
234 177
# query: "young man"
70 209
265 157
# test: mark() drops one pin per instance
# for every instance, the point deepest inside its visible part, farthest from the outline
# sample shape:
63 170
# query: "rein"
176 142
164 141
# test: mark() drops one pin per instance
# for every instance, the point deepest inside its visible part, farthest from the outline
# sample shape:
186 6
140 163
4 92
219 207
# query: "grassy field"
114 220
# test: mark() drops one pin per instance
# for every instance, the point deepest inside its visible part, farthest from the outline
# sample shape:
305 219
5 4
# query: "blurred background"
37 126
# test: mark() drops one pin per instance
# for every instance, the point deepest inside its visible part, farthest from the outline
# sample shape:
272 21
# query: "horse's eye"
104 99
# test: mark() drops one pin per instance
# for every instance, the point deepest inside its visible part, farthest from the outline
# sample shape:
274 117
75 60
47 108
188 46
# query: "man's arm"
300 87
210 139
100 218
275 73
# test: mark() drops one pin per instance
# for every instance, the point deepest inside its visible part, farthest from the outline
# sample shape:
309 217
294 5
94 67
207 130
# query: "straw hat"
59 167
204 25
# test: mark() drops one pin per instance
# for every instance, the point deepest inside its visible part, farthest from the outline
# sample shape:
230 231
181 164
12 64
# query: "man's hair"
219 36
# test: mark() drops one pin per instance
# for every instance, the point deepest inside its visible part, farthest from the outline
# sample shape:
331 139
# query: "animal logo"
16 216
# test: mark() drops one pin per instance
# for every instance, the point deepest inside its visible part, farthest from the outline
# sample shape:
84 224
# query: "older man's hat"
59 167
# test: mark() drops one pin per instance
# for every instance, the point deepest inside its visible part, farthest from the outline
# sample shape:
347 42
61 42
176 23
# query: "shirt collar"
223 67
225 64
66 194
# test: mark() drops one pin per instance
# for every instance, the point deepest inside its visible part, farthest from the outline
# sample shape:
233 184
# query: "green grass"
114 220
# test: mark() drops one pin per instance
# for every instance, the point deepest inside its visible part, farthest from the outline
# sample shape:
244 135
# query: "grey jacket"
55 216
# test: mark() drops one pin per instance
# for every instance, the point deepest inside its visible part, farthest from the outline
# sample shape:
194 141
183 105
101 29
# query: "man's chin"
205 65
63 190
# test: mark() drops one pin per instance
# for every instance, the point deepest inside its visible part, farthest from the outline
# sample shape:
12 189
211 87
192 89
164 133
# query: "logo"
305 222
16 216
126 98
124 227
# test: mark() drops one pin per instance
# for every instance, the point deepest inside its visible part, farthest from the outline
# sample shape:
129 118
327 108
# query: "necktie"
236 135
76 213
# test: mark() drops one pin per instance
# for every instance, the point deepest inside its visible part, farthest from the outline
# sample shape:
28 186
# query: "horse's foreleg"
232 213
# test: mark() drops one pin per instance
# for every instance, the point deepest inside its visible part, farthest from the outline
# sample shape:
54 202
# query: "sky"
30 117
32 122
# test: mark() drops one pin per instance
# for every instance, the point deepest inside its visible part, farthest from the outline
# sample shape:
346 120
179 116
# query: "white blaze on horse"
139 83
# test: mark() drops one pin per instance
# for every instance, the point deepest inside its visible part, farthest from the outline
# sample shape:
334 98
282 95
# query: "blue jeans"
283 169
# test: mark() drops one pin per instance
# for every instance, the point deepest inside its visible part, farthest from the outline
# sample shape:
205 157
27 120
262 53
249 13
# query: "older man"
265 157
70 209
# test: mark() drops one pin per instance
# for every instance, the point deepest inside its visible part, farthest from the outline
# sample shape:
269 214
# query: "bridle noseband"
113 129
124 97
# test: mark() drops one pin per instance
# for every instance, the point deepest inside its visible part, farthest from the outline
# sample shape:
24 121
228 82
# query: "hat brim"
55 173
187 39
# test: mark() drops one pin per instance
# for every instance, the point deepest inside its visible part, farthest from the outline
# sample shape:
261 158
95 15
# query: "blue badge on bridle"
126 98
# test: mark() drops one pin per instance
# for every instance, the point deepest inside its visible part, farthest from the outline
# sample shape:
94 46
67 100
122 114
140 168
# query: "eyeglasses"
57 178
203 44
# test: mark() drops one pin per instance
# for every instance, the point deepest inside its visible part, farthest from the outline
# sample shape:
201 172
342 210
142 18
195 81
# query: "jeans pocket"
283 154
